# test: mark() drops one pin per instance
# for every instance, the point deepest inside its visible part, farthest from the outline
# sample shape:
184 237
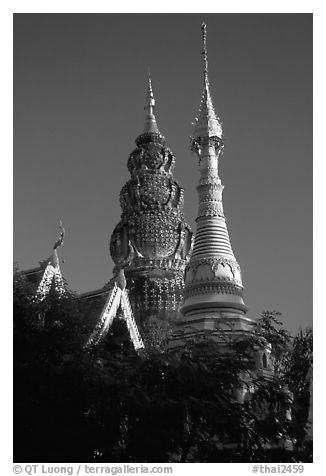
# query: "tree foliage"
297 374
114 404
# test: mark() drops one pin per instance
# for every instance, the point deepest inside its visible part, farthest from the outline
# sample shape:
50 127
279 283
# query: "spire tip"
150 121
204 33
207 124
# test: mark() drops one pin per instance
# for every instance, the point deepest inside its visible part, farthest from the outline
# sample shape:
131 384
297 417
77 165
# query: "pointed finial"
150 101
203 29
150 120
207 124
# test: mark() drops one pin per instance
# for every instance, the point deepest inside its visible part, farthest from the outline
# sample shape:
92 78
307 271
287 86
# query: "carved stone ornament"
210 209
214 264
151 156
212 287
198 143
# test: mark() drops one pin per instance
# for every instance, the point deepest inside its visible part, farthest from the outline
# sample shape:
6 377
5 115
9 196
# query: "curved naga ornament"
52 272
59 241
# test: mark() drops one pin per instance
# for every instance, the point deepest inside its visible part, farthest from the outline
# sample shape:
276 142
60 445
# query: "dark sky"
79 88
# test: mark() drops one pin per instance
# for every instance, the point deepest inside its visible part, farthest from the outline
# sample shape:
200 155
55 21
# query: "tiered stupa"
152 237
213 284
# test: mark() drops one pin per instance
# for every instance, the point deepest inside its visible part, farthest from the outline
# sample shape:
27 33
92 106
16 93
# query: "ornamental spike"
207 124
203 28
150 120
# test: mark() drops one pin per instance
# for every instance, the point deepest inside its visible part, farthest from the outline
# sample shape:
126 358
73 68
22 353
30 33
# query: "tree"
269 329
297 367
113 404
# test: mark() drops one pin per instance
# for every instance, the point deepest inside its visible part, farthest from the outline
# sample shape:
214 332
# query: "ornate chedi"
152 236
213 283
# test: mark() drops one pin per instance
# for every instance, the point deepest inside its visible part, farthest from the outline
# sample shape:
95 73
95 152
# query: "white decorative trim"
116 298
51 273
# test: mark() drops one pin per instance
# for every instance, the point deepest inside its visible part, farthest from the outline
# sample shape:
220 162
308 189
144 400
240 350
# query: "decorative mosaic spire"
152 232
212 276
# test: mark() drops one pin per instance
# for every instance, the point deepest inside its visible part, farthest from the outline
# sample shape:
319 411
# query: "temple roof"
52 272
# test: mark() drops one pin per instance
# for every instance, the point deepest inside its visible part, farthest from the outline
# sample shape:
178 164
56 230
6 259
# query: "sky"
79 91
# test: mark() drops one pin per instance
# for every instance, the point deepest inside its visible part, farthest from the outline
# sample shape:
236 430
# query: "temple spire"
203 29
150 120
207 124
213 282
